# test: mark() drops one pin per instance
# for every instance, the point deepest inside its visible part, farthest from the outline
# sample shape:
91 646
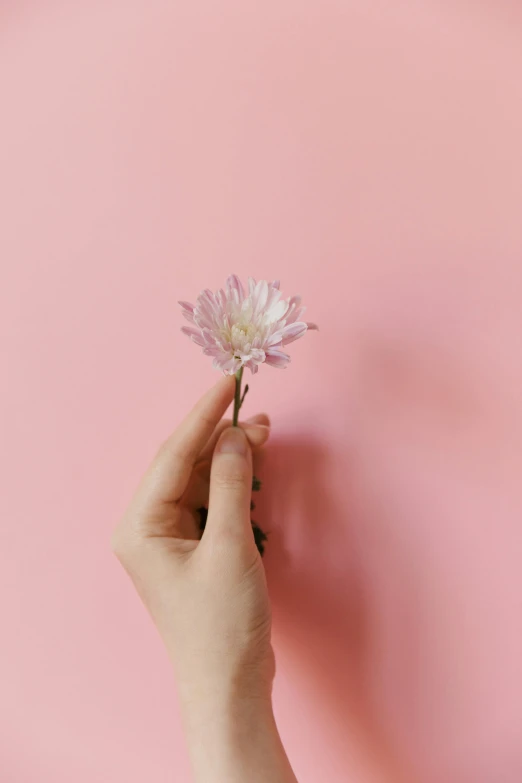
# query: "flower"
244 329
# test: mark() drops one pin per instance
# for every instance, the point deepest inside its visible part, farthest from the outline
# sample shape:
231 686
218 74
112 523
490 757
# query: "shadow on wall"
321 602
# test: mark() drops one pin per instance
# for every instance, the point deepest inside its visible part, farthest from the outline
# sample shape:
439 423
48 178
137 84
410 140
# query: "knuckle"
189 455
119 543
115 541
123 545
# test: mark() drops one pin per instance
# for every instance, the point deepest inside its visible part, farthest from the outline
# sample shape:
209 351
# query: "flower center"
242 335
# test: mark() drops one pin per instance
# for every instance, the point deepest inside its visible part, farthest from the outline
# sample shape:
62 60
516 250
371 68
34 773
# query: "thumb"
230 489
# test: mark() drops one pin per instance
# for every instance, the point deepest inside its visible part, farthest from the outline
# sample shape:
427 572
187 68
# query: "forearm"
235 739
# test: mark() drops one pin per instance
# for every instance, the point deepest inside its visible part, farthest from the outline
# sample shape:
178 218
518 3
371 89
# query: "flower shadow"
321 605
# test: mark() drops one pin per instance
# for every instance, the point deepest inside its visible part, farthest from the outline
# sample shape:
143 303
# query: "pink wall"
368 153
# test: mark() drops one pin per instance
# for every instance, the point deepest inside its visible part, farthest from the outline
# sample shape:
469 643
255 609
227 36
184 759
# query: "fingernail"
232 441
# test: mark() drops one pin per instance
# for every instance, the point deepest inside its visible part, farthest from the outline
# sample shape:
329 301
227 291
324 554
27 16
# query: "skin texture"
208 597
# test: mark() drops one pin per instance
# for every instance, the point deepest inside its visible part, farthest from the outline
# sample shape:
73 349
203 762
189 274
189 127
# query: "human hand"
207 597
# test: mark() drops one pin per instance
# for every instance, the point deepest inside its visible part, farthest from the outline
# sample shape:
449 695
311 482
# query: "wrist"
223 710
209 682
230 727
233 739
207 698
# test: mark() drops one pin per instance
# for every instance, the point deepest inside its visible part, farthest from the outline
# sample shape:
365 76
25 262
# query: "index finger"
168 476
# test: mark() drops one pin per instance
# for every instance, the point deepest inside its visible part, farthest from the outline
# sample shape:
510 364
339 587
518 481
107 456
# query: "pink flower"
245 329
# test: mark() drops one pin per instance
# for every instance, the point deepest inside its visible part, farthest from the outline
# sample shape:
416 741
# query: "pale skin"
208 597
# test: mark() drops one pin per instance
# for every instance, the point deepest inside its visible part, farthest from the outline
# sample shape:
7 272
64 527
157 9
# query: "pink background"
368 153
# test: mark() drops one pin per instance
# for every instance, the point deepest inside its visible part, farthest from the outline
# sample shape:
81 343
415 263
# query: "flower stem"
237 396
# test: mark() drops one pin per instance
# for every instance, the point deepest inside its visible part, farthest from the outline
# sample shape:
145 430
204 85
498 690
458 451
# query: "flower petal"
246 309
188 316
260 297
203 321
228 364
258 355
221 300
275 338
312 326
234 284
293 332
209 336
194 334
273 298
295 311
277 358
279 310
252 366
205 315
207 297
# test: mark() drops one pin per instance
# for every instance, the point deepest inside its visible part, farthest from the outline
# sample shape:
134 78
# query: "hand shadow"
321 604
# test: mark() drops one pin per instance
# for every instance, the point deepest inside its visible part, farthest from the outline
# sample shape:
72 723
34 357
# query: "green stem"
237 396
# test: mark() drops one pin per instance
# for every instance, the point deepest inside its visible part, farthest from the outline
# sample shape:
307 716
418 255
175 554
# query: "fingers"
169 474
155 510
259 418
257 430
230 490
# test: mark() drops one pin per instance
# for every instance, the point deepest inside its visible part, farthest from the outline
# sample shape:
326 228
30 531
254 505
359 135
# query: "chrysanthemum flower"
244 329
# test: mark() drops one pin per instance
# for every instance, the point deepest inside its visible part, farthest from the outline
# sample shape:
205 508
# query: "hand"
208 597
